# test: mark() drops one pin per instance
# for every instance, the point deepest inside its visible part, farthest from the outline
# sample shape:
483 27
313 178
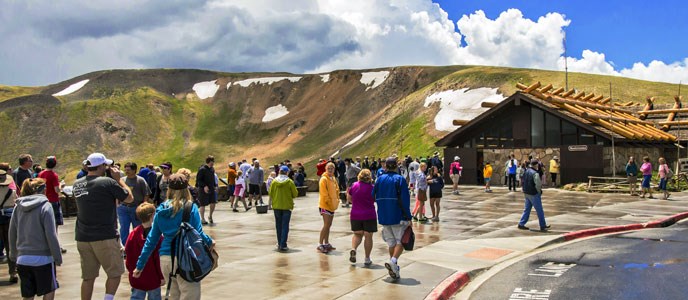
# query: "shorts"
422 195
662 184
254 189
205 199
323 211
436 194
487 180
392 234
38 280
632 179
455 178
364 225
57 210
230 190
104 253
646 181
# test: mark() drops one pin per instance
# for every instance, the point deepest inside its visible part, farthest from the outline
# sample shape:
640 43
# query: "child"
487 174
239 190
151 277
519 173
267 185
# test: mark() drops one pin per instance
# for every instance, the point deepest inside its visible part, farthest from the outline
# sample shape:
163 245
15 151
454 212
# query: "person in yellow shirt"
554 169
487 174
328 203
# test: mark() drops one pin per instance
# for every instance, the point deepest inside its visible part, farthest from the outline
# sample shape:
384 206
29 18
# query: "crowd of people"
146 205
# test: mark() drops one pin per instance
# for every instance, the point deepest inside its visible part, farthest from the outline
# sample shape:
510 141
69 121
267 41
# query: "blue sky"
626 31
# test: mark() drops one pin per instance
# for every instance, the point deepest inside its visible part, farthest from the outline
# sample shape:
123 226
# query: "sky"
45 41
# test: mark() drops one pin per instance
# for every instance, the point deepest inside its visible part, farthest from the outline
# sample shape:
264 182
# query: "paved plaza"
475 231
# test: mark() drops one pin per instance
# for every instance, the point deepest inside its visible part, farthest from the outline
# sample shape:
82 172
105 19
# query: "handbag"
408 239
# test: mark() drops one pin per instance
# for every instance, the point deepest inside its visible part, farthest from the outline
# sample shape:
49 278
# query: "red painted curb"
448 287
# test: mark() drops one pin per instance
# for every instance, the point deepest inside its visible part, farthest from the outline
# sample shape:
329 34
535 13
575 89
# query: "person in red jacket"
321 167
151 277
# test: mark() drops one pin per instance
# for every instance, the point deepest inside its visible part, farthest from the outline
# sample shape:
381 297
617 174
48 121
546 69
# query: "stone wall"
622 154
498 158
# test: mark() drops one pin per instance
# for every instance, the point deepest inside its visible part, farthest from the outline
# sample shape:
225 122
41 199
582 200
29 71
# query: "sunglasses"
165 168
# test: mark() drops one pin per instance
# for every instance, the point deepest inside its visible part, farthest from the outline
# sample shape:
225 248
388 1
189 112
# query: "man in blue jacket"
393 201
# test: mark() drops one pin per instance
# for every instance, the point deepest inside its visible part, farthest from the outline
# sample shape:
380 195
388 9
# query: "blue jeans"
533 201
141 295
282 218
127 217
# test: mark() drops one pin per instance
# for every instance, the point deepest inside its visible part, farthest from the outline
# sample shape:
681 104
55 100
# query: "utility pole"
611 104
566 64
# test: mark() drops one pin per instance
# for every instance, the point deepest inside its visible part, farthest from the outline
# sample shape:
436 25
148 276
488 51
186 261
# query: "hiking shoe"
392 269
523 227
352 256
368 262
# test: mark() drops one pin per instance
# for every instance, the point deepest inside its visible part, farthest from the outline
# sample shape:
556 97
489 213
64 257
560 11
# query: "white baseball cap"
97 159
457 158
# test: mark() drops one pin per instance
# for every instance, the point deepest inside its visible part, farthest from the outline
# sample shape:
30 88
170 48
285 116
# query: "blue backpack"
193 256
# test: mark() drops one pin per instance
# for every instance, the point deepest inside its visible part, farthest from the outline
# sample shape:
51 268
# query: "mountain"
180 115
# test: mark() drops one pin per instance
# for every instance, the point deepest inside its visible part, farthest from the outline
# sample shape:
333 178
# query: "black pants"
4 235
512 181
554 179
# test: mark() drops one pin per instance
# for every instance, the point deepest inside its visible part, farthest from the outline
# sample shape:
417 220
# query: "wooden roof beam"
597 99
568 94
488 104
460 122
663 111
586 104
558 91
588 97
546 88
579 95
606 100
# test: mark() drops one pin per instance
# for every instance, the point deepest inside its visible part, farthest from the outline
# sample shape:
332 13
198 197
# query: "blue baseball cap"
284 169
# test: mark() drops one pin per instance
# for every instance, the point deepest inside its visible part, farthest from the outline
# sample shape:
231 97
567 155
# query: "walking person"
126 212
363 217
435 185
487 175
97 197
151 278
8 196
52 191
205 181
554 170
327 204
421 191
511 167
663 173
632 174
239 191
646 169
393 201
532 190
268 183
455 174
161 183
166 224
352 171
33 241
256 176
519 173
282 194
231 182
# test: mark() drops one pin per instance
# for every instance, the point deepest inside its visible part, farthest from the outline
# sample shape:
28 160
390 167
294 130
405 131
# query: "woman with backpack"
168 218
455 174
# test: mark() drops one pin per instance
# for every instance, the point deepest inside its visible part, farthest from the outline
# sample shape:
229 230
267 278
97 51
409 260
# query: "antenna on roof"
566 64
611 105
679 88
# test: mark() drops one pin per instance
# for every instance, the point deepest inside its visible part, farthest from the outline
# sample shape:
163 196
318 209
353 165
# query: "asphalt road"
645 264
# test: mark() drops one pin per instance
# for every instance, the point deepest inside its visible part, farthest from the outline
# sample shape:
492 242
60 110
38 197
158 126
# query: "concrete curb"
455 282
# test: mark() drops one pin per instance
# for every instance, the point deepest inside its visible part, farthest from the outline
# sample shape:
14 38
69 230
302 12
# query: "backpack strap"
7 196
186 215
403 211
186 212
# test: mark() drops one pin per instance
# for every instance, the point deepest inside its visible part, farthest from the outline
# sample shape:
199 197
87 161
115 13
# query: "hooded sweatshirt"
329 193
166 223
282 192
37 236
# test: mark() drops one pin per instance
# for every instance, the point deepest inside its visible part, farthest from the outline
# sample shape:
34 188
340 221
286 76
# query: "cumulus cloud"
56 40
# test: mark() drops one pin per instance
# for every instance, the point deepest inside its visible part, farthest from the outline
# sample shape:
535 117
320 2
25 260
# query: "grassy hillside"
155 116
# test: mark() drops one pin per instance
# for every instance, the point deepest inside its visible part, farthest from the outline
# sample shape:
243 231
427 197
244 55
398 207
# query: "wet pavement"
476 230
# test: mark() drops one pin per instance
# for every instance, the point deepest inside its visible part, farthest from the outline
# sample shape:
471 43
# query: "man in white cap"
97 197
455 174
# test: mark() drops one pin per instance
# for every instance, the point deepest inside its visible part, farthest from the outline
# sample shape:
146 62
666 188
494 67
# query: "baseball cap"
232 164
457 158
97 159
178 182
284 169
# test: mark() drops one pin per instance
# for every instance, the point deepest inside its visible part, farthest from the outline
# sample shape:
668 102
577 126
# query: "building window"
586 137
537 128
553 130
569 133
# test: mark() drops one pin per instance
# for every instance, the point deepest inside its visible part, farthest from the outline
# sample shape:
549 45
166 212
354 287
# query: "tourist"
239 192
663 173
320 167
511 167
147 285
532 189
161 183
646 169
282 194
435 185
52 191
84 170
554 170
327 204
363 217
437 162
519 173
256 176
352 171
393 201
126 212
192 189
421 191
166 224
8 196
455 174
231 182
33 241
23 172
366 163
487 175
37 169
299 178
632 174
97 197
268 183
205 181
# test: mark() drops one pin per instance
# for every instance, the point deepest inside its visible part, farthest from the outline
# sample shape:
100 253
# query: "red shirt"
51 181
321 168
151 275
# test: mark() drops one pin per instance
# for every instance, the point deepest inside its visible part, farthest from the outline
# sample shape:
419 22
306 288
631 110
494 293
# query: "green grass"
9 92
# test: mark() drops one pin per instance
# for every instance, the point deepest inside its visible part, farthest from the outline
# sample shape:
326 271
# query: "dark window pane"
553 130
586 137
537 128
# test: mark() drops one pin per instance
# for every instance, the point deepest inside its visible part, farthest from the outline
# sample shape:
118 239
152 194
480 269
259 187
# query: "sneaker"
330 247
650 197
322 249
352 256
523 227
210 220
204 222
424 219
235 210
368 262
392 269
14 279
248 208
63 250
436 219
284 249
415 219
